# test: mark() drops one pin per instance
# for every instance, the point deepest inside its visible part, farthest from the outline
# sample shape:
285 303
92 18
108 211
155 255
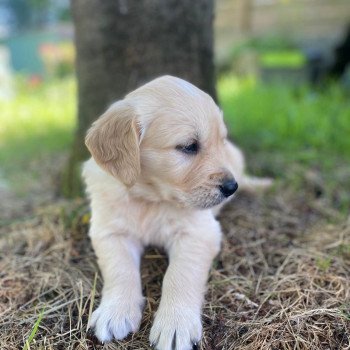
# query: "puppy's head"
166 141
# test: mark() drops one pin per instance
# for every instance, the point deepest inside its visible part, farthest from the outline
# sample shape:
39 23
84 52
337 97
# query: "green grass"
34 331
282 59
296 122
273 52
36 122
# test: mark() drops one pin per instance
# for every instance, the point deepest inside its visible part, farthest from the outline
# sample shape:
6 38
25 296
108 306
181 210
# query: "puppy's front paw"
116 318
176 329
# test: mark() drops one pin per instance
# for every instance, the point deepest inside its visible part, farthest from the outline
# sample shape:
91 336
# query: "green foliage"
300 123
34 331
272 43
324 263
283 59
273 52
38 121
265 44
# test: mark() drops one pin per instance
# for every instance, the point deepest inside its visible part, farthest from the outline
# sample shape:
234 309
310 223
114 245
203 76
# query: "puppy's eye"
192 148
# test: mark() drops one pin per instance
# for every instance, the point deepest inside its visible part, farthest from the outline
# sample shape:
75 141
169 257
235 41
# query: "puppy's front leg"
121 306
177 324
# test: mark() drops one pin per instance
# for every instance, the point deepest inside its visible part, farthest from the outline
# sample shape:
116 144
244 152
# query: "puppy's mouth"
211 203
204 198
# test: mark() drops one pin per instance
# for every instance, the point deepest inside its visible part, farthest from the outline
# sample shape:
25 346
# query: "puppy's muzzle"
228 187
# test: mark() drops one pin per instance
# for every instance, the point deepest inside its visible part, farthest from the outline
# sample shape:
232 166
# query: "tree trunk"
122 44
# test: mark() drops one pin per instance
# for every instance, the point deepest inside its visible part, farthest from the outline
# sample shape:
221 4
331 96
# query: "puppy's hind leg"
120 310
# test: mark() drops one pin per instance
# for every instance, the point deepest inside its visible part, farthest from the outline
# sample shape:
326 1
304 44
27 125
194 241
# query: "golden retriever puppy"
161 166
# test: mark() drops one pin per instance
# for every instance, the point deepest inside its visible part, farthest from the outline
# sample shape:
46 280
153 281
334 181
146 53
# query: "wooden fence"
315 23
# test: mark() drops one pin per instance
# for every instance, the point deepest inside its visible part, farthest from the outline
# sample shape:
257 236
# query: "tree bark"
122 44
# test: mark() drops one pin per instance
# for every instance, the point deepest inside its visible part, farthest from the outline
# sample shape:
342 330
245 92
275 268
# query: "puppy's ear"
113 141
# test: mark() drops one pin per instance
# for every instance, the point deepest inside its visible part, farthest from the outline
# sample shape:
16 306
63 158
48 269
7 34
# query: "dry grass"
280 282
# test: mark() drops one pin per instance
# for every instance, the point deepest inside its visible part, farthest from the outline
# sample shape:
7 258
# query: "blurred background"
282 78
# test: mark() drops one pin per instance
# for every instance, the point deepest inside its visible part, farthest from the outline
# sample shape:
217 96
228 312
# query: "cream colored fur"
145 191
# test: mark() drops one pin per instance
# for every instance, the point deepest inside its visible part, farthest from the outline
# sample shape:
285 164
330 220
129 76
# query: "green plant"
38 121
300 123
282 59
34 331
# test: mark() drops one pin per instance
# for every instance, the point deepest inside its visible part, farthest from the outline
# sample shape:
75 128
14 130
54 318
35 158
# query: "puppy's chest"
157 225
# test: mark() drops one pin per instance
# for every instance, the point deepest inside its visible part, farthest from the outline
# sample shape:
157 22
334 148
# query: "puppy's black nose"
228 187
